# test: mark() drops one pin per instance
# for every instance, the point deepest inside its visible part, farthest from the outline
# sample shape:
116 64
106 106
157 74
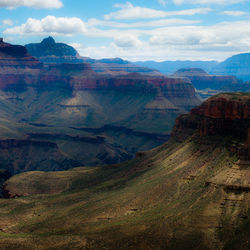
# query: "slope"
192 193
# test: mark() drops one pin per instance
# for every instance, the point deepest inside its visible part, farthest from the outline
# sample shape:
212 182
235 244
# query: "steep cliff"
16 56
222 115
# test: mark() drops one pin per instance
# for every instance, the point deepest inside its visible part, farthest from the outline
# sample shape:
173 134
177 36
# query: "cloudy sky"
134 30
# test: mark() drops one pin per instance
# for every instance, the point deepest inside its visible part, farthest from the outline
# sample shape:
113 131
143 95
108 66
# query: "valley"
84 117
124 125
192 192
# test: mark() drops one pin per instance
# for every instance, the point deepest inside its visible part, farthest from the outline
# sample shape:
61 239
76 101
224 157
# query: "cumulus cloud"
160 53
218 37
218 2
39 4
129 11
156 23
127 41
7 22
234 13
49 25
176 42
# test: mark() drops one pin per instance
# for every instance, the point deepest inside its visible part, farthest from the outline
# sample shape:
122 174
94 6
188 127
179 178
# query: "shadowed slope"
192 193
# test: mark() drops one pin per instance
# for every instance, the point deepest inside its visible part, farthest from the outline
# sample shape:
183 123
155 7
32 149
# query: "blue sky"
134 30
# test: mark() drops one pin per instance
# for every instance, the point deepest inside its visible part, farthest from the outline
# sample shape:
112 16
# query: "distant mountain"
51 52
169 67
237 65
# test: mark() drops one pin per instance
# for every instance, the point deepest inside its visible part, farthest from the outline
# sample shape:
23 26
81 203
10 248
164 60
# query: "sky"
135 30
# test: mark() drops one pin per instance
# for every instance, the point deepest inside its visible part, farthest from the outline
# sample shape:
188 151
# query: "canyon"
84 117
191 192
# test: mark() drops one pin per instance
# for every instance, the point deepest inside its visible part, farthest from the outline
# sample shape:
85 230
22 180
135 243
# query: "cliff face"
221 115
79 76
16 56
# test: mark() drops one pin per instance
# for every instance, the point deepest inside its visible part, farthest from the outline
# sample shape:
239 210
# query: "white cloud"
127 41
49 25
156 23
129 11
215 42
162 2
7 22
234 13
161 39
218 37
160 53
218 2
39 4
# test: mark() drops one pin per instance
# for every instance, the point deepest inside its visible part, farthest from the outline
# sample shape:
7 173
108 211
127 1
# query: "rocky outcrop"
225 114
48 51
221 115
16 56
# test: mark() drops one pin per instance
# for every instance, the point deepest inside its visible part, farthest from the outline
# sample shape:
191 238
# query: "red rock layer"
16 56
224 108
20 70
222 115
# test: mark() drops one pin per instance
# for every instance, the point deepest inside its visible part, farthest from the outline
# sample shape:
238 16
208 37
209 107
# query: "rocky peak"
48 41
49 48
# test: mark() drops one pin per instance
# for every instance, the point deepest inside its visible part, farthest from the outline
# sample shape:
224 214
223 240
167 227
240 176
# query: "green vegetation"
160 200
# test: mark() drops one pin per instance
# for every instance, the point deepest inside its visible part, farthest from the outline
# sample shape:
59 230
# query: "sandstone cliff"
221 115
16 56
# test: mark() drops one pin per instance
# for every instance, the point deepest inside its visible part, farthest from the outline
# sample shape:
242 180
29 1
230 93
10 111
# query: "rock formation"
190 193
129 111
49 52
16 57
221 115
